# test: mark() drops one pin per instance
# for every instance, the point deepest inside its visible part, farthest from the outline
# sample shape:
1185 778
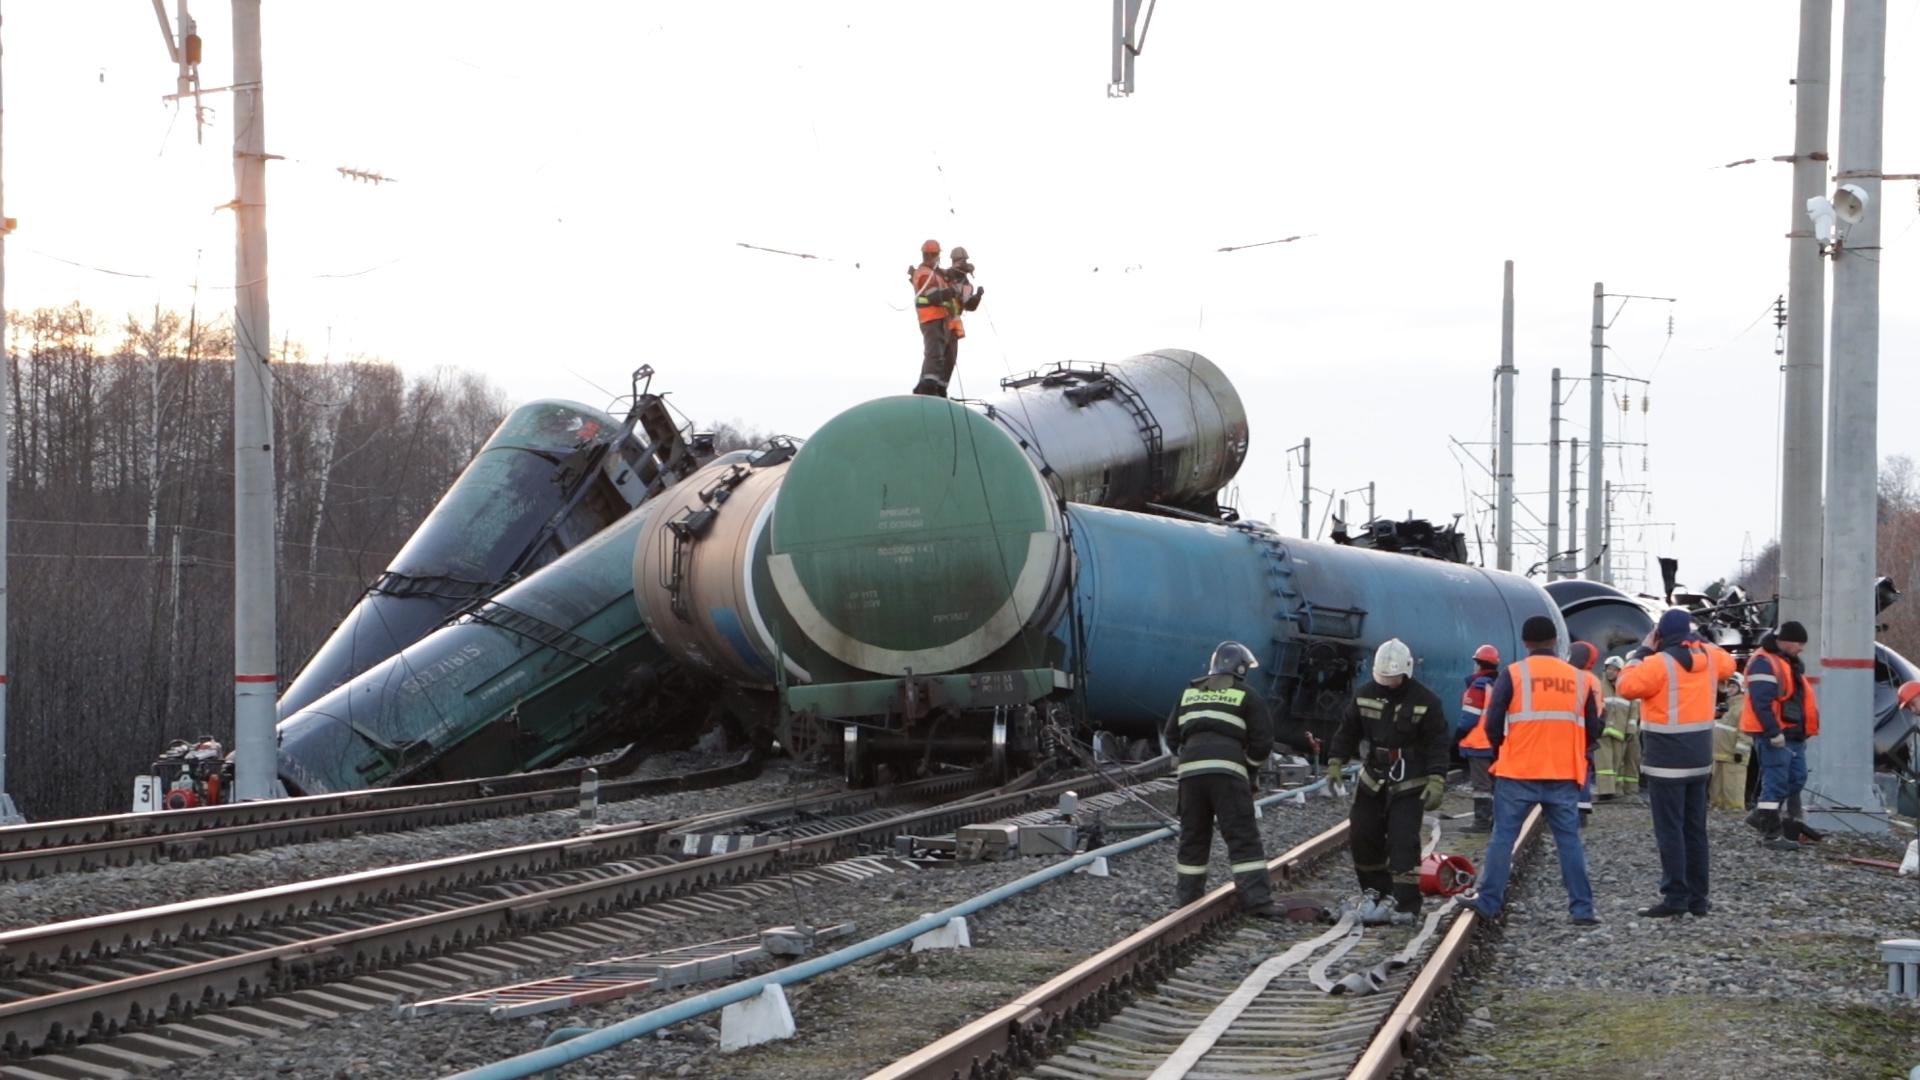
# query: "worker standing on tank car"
931 297
966 298
1617 757
1728 791
1223 733
1397 730
1582 655
1780 715
1473 735
1543 721
1674 675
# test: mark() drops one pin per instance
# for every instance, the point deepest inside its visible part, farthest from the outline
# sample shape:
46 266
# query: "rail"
112 1004
77 844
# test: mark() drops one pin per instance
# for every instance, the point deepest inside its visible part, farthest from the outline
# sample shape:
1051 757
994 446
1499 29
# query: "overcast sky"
574 177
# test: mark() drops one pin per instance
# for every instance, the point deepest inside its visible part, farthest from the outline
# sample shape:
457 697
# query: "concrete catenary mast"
1596 434
9 814
255 671
1503 527
1553 483
1841 783
1801 446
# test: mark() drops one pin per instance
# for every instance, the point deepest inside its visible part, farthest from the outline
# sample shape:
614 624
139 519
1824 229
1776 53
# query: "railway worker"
1397 730
1542 726
1223 733
1582 655
1781 713
1674 676
1728 791
1618 754
1473 736
966 297
931 297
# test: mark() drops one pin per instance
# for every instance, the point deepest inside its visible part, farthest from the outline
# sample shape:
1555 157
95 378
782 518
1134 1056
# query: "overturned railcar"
912 582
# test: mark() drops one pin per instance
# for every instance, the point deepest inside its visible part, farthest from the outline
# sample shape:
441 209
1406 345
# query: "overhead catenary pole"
1306 488
1840 787
1596 432
1553 482
1503 520
9 813
1573 504
1801 445
1606 538
255 671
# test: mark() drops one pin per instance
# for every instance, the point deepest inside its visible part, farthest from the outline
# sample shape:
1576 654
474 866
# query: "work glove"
973 302
1436 791
1614 733
1334 787
1778 741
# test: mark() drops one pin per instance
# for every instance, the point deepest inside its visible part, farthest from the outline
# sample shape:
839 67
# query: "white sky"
574 176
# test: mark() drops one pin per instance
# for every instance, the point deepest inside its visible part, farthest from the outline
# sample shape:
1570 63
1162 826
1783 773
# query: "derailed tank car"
497 690
911 584
552 474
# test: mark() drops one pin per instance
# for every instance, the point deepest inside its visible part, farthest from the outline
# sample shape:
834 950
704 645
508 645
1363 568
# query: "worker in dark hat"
1397 730
1676 678
932 300
1543 721
1780 715
1223 733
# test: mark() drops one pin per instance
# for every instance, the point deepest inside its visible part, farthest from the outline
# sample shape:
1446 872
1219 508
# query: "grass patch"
1591 1035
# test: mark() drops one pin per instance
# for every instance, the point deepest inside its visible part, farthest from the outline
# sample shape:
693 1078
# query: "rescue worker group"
1668 727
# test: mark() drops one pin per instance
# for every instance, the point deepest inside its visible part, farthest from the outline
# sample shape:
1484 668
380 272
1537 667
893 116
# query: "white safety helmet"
1392 658
1739 682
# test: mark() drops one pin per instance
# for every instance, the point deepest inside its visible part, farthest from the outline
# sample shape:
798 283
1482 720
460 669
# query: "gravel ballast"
1782 980
110 889
850 1021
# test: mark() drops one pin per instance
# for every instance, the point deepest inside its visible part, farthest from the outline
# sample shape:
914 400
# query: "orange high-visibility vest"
1546 723
1686 702
1790 686
1474 703
926 279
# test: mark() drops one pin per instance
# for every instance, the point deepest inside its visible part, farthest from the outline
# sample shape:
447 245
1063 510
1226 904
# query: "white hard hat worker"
1392 662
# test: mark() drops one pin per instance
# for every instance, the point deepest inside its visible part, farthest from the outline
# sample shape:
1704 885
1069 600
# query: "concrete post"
1840 787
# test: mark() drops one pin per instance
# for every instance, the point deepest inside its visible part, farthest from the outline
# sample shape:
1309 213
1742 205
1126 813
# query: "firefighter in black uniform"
1223 733
1397 730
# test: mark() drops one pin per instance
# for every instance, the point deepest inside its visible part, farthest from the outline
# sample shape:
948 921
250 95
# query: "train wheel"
1002 769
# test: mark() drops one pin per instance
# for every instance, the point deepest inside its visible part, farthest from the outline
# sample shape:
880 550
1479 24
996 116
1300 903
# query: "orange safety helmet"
1487 654
931 247
1582 654
1908 692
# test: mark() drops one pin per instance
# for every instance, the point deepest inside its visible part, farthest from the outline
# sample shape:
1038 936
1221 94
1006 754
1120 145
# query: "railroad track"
54 847
1177 999
91 979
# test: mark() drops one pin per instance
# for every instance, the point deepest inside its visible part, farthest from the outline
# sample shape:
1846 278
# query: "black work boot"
1771 835
1482 816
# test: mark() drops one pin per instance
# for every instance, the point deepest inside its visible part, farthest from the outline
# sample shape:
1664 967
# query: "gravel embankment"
120 888
1782 980
850 1021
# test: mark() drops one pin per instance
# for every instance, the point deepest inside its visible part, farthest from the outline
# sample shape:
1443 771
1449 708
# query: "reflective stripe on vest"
1188 768
1212 714
1673 724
